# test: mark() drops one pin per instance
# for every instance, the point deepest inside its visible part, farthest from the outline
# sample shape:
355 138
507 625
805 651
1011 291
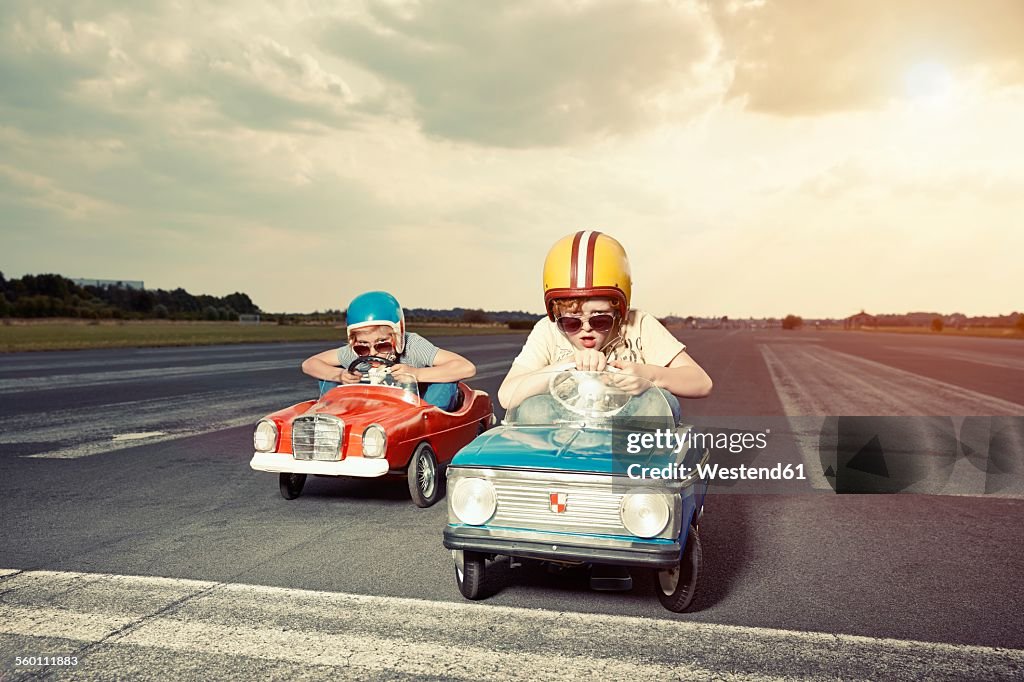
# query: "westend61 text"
665 439
779 472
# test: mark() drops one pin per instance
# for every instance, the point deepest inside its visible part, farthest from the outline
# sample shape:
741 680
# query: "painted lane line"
51 622
814 383
118 437
976 357
472 348
487 366
374 651
104 447
422 637
61 381
161 355
91 430
812 380
94 429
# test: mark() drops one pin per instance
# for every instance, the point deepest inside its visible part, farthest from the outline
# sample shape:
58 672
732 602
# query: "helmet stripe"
591 244
574 258
580 263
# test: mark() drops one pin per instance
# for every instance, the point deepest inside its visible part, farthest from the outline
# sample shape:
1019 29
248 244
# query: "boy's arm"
683 376
535 357
671 366
325 366
447 367
520 383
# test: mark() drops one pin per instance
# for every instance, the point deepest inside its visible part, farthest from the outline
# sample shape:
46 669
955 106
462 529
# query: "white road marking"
500 370
811 380
23 384
977 357
103 447
58 361
107 428
487 366
796 338
137 436
93 429
97 613
50 622
471 348
814 382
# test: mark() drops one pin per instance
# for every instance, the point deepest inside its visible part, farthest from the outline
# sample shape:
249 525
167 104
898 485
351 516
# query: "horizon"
540 312
305 153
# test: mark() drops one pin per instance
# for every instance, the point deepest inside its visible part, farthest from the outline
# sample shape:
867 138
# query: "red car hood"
366 404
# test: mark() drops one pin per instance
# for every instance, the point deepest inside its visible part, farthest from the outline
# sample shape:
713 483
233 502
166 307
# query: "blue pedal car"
564 480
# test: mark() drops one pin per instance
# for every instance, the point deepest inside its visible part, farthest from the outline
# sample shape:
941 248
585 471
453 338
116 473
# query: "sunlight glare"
930 84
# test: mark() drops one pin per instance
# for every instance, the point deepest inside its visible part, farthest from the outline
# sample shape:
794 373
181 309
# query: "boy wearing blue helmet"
376 327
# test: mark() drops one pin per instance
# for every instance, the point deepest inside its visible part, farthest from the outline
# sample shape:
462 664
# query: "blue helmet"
377 308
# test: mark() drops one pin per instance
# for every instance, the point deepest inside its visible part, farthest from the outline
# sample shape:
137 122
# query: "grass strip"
18 336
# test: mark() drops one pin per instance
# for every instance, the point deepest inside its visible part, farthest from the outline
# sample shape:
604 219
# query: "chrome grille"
591 507
317 437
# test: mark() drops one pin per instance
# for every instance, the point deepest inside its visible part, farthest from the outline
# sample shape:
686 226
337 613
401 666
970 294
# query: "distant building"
861 319
921 319
123 283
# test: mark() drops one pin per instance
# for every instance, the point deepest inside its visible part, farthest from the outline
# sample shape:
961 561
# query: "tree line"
52 295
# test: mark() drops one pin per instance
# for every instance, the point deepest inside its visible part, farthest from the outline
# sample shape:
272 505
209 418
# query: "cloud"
304 151
93 69
155 111
522 74
806 57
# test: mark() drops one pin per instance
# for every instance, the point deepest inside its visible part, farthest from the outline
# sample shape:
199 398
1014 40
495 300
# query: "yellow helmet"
589 264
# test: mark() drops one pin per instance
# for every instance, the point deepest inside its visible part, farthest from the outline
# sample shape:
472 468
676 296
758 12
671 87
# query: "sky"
755 158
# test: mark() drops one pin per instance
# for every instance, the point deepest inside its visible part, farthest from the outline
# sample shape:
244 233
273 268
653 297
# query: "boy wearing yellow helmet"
587 288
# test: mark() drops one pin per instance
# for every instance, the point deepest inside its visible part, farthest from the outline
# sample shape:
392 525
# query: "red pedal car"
377 428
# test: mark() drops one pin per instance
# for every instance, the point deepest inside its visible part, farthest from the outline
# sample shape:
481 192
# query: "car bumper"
563 547
278 463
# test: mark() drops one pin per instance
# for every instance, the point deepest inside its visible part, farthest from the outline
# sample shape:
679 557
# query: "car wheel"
291 485
676 586
424 483
471 576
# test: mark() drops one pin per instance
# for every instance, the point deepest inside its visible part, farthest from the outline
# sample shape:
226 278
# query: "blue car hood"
545 447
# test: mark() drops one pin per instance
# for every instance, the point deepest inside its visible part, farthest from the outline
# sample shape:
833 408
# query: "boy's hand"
590 360
348 377
632 378
414 372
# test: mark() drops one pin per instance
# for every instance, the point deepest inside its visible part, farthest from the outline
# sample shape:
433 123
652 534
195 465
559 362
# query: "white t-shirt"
644 339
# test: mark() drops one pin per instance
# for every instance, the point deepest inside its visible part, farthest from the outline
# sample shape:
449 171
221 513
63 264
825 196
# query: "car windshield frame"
401 381
547 398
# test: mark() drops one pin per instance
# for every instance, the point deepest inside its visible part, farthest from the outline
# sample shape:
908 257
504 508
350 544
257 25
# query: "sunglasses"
379 348
599 322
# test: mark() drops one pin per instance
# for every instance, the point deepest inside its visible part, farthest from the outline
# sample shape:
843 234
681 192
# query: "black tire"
291 485
676 587
472 578
423 476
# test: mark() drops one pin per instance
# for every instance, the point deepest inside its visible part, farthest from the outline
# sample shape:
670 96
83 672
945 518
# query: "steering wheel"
585 393
364 364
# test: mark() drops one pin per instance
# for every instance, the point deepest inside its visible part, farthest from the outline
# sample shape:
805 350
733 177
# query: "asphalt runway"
135 534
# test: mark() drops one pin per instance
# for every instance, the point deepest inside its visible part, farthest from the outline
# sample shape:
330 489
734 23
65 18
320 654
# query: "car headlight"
645 514
265 437
473 500
375 441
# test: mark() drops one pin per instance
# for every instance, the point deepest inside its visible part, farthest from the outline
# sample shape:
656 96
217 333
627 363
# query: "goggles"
599 322
362 348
